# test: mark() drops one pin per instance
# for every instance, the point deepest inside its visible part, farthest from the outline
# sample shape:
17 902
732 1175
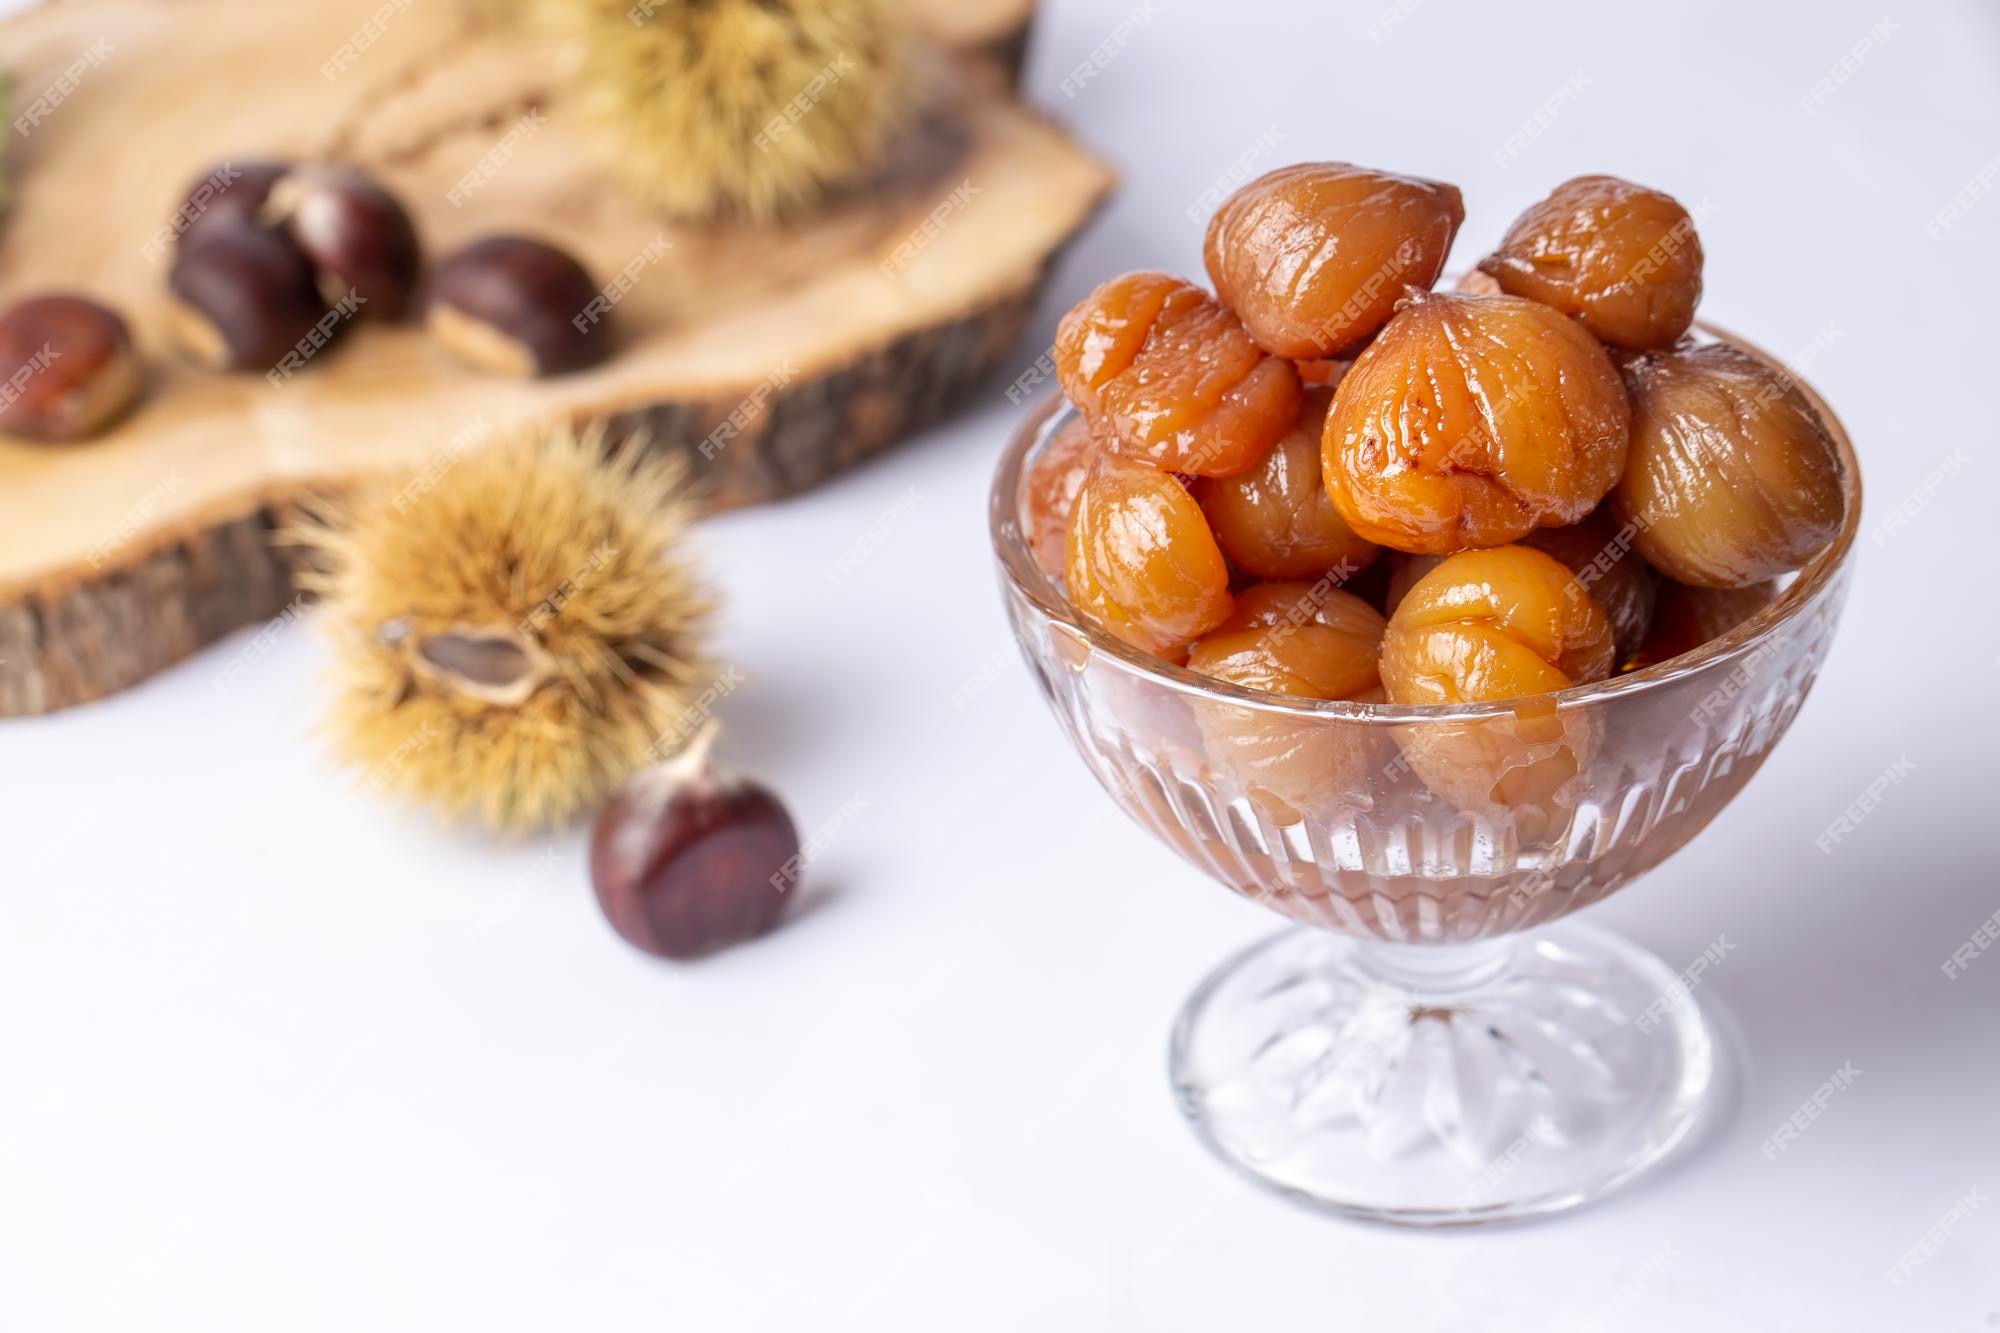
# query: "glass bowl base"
1443 1085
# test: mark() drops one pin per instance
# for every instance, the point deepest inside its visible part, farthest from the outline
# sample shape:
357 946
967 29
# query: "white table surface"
275 1057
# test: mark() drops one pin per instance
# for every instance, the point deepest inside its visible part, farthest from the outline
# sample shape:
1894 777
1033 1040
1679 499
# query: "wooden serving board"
120 556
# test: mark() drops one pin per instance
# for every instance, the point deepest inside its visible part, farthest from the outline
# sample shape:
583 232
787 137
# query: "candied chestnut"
1322 374
1404 571
1471 421
1685 618
1166 376
1276 520
1054 478
1494 624
1623 259
1313 257
1310 640
1307 640
1732 478
1141 561
1370 584
1599 553
67 368
1486 626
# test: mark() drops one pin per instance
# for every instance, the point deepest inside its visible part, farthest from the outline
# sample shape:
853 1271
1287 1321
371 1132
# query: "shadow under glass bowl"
1434 1043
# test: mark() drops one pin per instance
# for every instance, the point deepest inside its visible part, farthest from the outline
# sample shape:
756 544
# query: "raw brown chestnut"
511 304
685 860
229 192
354 233
1732 478
1276 520
67 368
1471 421
243 296
1313 257
1623 259
1166 376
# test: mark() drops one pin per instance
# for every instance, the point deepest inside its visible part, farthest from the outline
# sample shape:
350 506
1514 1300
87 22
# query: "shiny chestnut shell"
684 868
238 199
517 306
243 296
68 369
356 235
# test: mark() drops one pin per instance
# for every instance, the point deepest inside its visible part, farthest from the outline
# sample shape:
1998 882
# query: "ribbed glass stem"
1435 975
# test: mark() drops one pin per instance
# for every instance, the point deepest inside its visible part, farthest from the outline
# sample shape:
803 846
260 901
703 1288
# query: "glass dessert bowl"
1434 1041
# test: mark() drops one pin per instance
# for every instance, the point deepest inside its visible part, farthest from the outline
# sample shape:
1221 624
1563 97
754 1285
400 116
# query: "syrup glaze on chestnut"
1055 475
1275 520
1471 421
1599 553
1166 376
1623 259
1732 478
1309 640
1494 624
1306 640
1314 256
1141 560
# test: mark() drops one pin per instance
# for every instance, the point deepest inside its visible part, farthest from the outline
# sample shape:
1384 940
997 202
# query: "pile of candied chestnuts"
1332 481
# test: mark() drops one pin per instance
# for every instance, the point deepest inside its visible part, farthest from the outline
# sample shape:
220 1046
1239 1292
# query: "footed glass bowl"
1434 1041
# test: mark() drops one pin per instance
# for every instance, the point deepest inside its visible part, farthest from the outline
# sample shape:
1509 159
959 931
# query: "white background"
276 1057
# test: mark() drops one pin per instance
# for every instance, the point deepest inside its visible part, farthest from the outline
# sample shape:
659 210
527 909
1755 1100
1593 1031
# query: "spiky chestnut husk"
751 108
515 631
